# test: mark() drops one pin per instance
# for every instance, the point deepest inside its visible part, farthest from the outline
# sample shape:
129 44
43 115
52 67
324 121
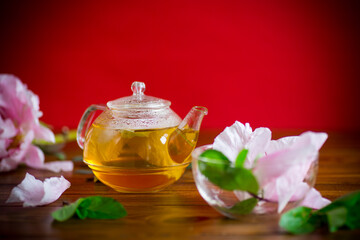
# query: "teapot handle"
86 121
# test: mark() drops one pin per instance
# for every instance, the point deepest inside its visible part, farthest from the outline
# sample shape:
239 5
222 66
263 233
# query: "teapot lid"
138 100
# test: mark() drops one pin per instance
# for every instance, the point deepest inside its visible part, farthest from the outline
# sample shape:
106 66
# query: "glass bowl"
227 202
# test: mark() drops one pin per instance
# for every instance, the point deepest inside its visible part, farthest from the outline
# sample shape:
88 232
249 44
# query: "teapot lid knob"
138 88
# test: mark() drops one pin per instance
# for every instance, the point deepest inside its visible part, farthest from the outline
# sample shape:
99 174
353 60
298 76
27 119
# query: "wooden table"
177 212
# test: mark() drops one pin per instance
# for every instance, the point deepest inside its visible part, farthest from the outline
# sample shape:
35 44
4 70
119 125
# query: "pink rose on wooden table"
279 165
19 126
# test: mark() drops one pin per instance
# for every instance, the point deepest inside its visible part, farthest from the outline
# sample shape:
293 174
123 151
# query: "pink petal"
301 190
30 191
276 164
303 150
8 164
53 188
7 129
317 139
12 97
257 144
280 144
33 192
233 139
289 184
20 105
4 144
313 199
239 136
57 166
288 187
18 154
15 156
34 157
44 133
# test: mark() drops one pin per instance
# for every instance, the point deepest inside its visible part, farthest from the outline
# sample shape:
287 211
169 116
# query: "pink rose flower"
19 126
279 165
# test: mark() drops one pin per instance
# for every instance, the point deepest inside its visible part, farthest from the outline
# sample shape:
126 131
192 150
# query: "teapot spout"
194 118
183 140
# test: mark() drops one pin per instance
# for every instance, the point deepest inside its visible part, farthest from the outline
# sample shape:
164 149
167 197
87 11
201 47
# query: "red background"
280 64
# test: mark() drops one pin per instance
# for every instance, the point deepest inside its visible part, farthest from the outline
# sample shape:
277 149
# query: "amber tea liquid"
138 160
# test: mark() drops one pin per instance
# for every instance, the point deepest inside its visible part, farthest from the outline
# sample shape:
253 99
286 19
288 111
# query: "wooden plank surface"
178 212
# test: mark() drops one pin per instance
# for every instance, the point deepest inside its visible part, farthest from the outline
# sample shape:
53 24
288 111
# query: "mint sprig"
228 176
342 213
91 207
219 170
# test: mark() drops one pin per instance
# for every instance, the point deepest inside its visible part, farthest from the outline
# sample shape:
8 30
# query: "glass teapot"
138 144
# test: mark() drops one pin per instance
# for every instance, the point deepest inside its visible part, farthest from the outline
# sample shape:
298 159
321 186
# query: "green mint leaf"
66 212
349 201
352 204
217 168
300 220
217 173
353 217
336 218
243 207
213 165
214 156
244 180
91 207
239 162
344 212
101 208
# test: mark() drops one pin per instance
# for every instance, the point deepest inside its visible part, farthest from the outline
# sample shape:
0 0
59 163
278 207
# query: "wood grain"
178 212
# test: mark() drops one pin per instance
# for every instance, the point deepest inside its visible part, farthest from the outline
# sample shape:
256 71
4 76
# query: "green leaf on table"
66 212
100 208
240 159
91 207
343 213
351 202
217 168
336 218
243 207
300 220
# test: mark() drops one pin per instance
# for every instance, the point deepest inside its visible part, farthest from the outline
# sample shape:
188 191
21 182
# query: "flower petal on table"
58 166
30 191
33 192
53 188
